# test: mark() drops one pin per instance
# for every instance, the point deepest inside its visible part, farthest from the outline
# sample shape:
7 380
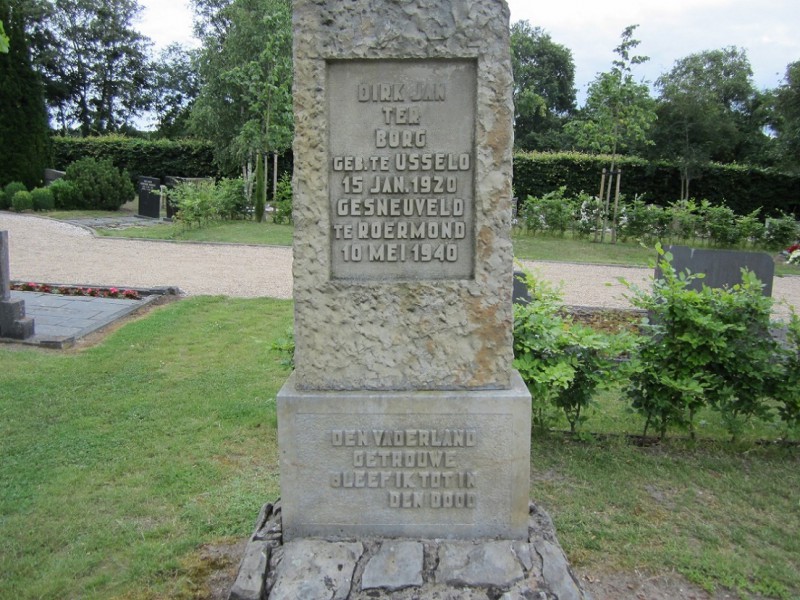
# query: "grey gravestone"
13 322
149 197
51 175
722 268
404 417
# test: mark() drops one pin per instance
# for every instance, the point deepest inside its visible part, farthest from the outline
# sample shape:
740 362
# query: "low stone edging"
382 569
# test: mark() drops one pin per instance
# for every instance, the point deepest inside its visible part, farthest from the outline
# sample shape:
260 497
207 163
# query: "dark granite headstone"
520 295
149 197
722 268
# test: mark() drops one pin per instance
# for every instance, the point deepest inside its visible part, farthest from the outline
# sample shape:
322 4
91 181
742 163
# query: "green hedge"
153 158
742 188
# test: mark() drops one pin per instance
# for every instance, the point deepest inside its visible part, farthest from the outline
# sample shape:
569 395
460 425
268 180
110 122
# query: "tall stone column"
403 417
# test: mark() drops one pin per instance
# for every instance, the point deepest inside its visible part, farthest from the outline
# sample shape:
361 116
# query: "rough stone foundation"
380 569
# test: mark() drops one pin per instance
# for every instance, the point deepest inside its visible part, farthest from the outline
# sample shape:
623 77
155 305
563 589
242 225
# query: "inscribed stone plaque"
428 464
402 168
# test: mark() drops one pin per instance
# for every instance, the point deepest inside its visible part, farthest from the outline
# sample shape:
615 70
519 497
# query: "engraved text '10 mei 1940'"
401 172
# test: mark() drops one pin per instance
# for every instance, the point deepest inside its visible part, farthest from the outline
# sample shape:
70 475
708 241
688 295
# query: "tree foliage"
544 87
23 117
786 118
3 40
245 105
619 112
95 64
708 109
175 87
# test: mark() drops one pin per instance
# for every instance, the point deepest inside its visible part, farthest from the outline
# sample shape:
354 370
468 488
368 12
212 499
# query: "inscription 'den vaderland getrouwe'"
416 468
401 172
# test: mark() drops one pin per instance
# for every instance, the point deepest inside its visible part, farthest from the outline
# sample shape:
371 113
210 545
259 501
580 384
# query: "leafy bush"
8 193
787 385
702 348
43 199
589 212
22 200
197 203
561 362
780 231
233 203
100 184
720 225
642 221
65 195
552 212
283 200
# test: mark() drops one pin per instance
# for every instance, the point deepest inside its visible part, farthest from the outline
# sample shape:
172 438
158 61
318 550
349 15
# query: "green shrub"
65 195
43 199
780 232
22 200
196 203
100 184
283 200
720 227
233 203
788 383
562 363
8 193
702 348
642 221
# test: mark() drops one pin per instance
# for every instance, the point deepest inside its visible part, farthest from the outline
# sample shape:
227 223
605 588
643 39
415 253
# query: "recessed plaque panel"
401 170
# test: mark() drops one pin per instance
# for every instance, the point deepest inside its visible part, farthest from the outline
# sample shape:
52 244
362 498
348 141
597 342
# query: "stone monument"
403 417
13 322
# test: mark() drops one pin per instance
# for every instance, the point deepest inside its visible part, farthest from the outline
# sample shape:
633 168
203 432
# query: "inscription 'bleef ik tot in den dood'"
419 468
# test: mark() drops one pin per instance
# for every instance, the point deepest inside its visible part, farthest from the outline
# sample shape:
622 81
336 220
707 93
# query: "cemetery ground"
134 465
541 247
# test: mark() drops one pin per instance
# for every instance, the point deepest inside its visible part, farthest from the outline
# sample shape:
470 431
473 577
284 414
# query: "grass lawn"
237 232
121 460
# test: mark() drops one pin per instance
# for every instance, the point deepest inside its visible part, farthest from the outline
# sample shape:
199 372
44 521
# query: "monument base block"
422 464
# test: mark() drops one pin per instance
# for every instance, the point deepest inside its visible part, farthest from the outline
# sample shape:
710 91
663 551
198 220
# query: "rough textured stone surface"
478 564
396 565
555 571
402 335
13 322
354 487
249 584
316 570
510 569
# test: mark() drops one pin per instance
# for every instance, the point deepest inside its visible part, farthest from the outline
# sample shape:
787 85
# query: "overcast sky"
769 30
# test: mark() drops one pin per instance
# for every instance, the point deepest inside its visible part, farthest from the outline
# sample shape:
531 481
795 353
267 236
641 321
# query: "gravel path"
51 251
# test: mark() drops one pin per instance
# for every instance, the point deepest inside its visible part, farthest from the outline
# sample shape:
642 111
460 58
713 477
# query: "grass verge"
121 461
236 232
